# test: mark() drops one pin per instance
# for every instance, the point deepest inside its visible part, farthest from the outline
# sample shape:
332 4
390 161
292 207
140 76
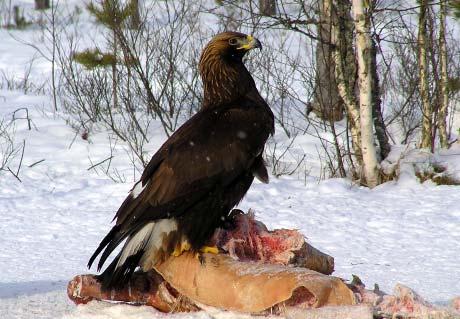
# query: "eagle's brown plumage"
201 172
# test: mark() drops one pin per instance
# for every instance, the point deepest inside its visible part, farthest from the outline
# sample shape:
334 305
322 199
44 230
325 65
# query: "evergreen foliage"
111 13
455 6
94 58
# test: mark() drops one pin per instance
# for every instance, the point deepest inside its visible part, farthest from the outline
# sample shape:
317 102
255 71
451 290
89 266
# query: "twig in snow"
99 163
20 163
37 162
23 118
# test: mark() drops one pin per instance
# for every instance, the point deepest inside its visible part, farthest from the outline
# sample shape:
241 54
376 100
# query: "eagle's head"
224 75
231 45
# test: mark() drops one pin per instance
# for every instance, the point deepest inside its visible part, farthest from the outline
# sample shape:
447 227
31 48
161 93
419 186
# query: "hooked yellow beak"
250 43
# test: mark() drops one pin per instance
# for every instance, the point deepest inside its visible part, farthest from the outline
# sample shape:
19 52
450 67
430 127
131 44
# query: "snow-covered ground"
51 221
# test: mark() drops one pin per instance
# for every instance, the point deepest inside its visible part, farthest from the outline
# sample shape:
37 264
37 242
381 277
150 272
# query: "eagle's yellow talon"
184 246
176 252
207 249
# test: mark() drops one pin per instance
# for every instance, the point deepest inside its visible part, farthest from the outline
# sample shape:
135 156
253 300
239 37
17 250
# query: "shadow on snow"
15 289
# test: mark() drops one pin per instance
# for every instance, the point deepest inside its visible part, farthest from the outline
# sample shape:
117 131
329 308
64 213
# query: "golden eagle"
200 173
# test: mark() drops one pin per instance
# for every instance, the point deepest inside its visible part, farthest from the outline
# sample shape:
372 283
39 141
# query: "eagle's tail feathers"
139 241
114 242
107 239
144 248
115 276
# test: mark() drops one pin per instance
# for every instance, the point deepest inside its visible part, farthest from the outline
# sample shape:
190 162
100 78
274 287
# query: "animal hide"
253 277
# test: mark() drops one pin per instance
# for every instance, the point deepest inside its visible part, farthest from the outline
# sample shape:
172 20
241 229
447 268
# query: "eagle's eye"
233 41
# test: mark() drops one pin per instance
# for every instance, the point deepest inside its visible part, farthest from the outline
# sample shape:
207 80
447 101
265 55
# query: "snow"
53 219
102 310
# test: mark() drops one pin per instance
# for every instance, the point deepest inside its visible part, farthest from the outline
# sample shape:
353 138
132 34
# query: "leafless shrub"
154 80
10 150
282 159
104 167
399 67
50 27
11 80
437 173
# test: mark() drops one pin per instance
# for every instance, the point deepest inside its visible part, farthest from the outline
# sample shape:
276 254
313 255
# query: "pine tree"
114 16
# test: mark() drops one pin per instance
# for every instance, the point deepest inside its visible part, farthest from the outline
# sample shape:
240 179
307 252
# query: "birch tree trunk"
344 73
444 99
423 76
363 48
